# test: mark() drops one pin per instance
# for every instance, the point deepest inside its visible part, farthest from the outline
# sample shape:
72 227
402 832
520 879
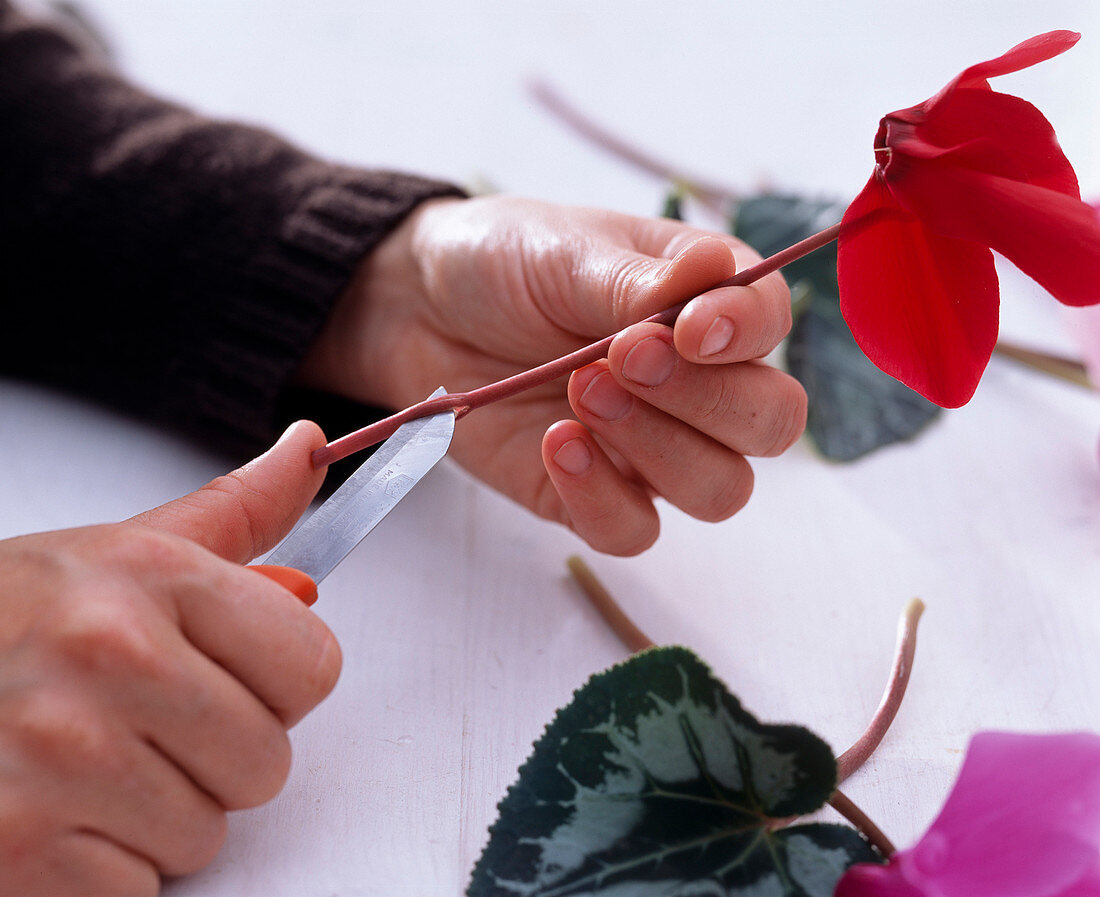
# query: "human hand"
147 681
467 292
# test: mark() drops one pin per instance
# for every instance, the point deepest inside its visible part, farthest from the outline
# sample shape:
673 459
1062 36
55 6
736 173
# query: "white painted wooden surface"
460 628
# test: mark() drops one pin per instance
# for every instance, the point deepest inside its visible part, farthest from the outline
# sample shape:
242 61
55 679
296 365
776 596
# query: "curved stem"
715 196
464 402
858 754
846 808
636 640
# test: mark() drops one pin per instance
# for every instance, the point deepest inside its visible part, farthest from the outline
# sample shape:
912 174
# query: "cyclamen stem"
1068 369
607 607
717 197
858 754
846 808
851 759
464 402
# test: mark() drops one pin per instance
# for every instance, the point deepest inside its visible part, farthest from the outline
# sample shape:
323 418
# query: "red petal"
1051 237
1031 52
992 132
923 307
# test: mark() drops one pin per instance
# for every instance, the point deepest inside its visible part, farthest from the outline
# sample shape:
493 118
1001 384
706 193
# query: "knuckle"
207 835
316 664
716 401
78 862
730 496
25 825
786 418
53 732
547 503
138 548
267 772
324 671
621 531
248 509
626 280
100 638
780 319
773 321
640 539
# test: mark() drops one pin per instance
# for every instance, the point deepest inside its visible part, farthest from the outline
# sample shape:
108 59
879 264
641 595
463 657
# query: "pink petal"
1051 237
866 880
1027 783
1023 820
921 306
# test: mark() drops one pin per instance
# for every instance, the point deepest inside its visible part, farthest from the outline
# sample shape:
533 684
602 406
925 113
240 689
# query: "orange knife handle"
291 579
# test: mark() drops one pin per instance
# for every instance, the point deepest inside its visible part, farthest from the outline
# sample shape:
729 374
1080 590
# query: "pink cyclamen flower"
1023 820
962 173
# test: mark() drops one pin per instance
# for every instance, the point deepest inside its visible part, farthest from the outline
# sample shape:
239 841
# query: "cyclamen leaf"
854 408
655 781
674 205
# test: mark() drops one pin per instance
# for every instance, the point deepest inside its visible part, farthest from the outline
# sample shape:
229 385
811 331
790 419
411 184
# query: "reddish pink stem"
636 640
715 196
464 402
858 754
847 808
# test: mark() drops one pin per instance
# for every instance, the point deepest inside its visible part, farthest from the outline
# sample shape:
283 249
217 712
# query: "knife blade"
368 495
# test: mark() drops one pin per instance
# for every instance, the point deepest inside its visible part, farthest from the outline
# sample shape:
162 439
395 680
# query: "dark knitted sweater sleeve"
167 264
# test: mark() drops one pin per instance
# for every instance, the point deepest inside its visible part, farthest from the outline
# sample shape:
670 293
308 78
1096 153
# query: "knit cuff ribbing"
256 344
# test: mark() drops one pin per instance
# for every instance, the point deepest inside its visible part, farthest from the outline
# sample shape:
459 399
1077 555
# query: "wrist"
367 341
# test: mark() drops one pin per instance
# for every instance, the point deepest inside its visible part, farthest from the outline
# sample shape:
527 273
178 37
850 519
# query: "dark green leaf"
773 221
674 205
854 407
655 781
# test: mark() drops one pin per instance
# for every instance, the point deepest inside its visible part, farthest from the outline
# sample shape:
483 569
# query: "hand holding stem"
469 292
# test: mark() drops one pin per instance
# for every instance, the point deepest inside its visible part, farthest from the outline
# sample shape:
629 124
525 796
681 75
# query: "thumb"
244 513
639 284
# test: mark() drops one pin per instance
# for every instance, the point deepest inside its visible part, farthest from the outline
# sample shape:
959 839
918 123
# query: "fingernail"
650 362
605 398
573 457
718 336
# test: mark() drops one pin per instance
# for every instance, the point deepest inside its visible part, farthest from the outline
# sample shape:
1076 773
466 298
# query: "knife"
314 549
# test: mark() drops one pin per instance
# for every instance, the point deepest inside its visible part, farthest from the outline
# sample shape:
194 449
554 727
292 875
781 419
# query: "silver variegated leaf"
655 781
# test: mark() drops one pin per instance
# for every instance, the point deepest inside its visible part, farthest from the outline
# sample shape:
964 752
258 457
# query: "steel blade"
367 496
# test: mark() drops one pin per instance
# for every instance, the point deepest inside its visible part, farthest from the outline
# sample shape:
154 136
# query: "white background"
461 631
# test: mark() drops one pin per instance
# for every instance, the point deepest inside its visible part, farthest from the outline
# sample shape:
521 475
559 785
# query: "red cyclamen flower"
962 173
1023 820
